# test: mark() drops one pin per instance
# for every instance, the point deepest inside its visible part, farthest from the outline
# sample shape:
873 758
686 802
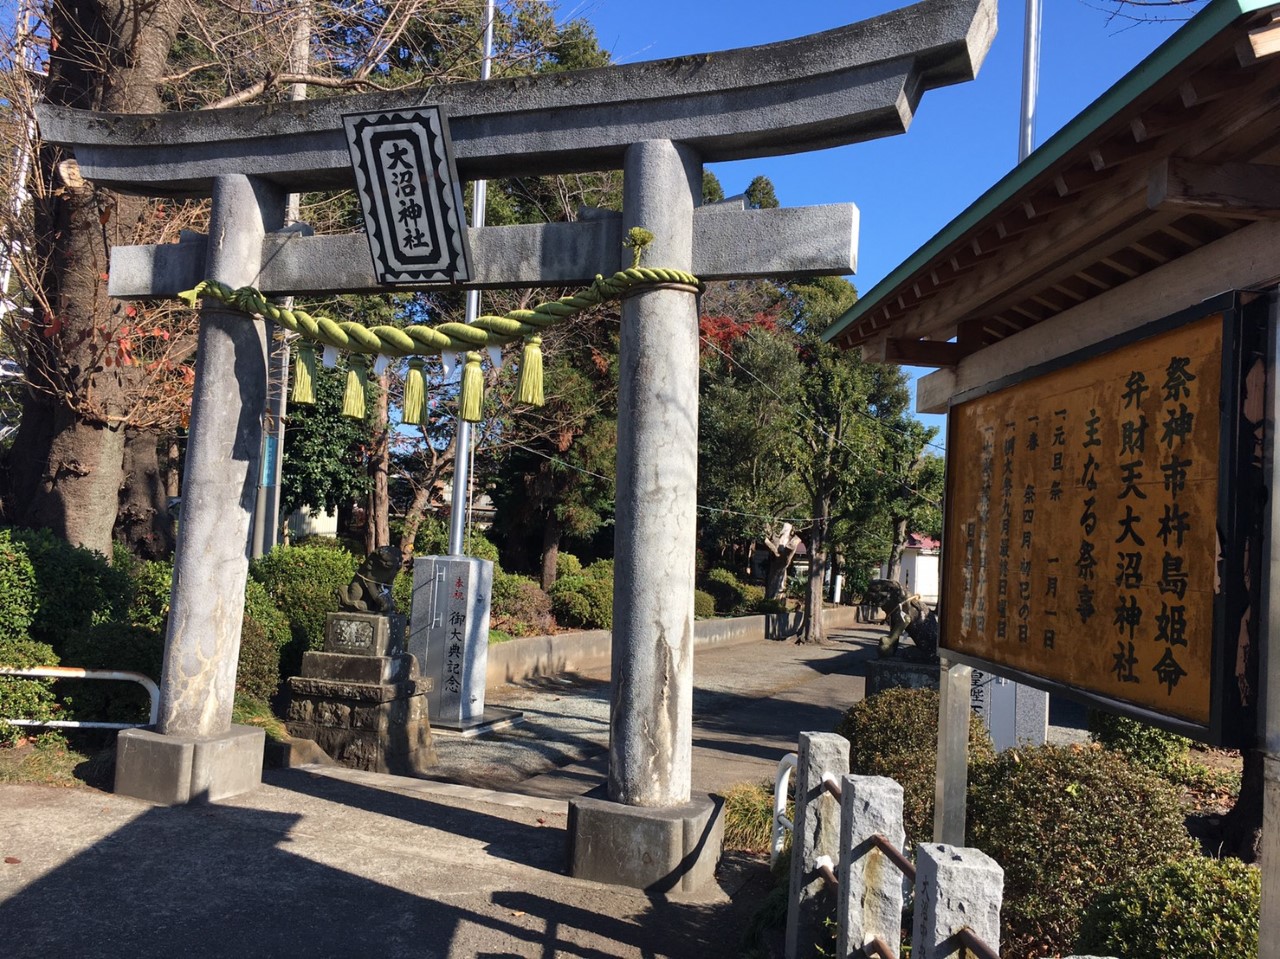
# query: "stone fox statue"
909 614
370 590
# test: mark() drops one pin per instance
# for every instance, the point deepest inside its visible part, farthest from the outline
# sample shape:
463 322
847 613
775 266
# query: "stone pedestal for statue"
897 673
362 700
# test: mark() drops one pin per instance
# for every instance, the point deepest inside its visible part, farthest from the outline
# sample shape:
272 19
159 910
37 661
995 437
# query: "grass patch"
748 817
49 759
250 711
499 636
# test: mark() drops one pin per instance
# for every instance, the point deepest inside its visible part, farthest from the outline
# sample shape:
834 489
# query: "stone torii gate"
659 121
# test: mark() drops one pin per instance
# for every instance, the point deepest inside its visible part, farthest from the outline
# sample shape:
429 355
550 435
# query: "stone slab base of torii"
659 122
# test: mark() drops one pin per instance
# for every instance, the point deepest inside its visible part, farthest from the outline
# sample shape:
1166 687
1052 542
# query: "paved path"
324 861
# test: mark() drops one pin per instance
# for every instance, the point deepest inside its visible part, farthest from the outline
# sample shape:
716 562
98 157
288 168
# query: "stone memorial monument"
659 122
450 639
362 699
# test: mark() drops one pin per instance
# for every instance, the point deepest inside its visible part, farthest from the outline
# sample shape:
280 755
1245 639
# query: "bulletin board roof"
1173 157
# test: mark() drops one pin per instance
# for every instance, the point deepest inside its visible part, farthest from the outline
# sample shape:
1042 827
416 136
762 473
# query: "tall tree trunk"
815 627
142 519
899 543
377 529
108 56
551 533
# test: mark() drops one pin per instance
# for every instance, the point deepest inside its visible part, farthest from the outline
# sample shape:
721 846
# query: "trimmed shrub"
1066 823
1195 908
752 596
118 645
264 634
402 592
75 587
895 734
584 601
601 569
303 582
568 565
704 605
152 588
320 541
520 607
17 588
728 593
1150 747
23 698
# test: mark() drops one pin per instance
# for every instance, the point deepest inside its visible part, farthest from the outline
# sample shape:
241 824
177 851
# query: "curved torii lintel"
853 83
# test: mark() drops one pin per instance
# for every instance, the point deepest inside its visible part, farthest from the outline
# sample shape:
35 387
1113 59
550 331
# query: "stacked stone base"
367 712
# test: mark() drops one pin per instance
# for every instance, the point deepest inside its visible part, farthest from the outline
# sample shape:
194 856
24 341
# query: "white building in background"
920 570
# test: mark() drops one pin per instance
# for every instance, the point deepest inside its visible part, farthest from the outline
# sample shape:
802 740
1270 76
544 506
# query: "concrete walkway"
324 861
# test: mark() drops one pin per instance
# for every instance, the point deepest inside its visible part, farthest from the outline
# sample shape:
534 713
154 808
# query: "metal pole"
1030 80
266 515
462 450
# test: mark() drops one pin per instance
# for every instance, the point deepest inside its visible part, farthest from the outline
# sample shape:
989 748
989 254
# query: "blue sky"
963 139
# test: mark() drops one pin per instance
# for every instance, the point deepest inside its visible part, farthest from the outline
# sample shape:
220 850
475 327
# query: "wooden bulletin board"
1084 510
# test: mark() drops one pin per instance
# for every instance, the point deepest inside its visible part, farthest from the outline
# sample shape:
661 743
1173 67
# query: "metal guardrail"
75 672
781 824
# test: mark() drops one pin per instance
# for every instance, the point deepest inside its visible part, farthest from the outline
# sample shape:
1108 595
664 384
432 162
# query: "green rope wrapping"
421 340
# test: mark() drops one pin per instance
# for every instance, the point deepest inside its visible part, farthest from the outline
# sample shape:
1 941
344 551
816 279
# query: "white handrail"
75 672
786 765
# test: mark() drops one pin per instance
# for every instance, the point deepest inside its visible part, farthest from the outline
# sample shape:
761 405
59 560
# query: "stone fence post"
816 835
870 891
955 887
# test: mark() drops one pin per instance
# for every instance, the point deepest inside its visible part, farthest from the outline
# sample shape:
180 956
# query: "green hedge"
17 588
1148 746
24 698
895 733
704 605
75 587
584 601
303 582
520 607
1066 823
568 565
729 593
1196 908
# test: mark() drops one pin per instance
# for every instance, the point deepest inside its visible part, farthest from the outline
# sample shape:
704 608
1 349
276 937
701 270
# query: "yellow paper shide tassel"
304 373
357 379
415 394
529 387
472 389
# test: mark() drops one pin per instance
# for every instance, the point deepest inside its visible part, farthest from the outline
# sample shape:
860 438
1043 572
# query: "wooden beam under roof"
1249 190
934 353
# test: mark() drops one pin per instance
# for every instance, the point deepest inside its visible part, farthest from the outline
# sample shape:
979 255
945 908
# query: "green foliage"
114 645
729 594
895 733
519 606
761 195
712 191
584 601
324 463
499 636
24 698
567 565
704 605
17 588
748 817
1150 747
320 541
601 570
1066 823
152 589
75 587
264 634
1194 908
303 581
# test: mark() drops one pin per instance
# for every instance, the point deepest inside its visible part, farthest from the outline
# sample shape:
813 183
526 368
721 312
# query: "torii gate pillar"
650 833
195 752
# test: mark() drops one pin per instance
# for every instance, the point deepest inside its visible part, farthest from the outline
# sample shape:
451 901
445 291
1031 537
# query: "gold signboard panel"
1082 521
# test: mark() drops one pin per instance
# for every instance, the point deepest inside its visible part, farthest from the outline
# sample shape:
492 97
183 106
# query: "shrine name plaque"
1085 509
